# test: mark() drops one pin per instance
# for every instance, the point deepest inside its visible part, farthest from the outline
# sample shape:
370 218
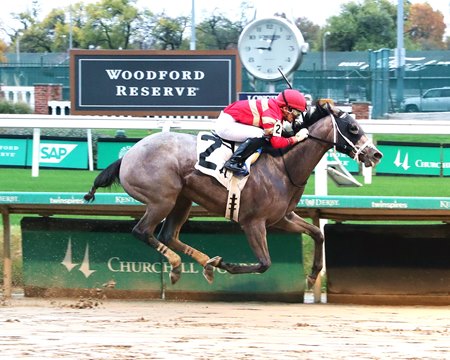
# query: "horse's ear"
326 104
325 101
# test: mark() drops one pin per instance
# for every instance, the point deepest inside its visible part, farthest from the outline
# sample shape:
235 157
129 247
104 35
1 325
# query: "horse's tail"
106 178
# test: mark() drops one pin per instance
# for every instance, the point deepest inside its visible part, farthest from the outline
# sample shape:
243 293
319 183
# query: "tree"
218 32
426 27
168 32
142 37
3 48
50 35
310 32
109 24
370 25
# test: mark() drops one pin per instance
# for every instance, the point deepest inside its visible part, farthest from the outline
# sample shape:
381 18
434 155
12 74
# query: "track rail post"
7 261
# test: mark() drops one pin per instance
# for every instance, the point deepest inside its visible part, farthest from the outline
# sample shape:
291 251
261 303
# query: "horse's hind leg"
294 223
144 230
170 233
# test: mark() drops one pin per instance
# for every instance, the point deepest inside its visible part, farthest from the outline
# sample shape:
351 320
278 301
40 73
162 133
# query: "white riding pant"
229 129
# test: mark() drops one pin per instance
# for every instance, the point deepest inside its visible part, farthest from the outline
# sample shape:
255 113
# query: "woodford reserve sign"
132 82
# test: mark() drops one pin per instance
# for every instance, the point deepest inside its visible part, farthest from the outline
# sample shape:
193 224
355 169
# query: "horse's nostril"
378 155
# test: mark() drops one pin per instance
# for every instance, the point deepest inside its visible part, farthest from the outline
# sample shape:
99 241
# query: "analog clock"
268 44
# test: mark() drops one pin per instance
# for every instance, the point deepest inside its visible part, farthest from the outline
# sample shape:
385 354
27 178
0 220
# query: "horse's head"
344 133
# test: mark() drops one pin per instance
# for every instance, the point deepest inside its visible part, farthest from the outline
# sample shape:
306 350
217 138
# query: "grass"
435 139
81 181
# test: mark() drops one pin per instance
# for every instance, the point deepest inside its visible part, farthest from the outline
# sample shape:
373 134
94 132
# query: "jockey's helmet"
291 98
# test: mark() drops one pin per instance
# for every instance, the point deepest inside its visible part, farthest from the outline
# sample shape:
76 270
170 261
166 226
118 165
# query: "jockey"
255 122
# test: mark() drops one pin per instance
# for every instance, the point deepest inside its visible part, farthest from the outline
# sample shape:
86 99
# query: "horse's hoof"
175 274
208 273
215 261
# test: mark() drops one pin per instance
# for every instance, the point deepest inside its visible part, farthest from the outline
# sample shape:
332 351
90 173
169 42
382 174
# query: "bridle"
336 146
349 146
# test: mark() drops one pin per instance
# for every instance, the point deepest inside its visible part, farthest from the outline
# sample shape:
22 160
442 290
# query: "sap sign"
55 153
62 154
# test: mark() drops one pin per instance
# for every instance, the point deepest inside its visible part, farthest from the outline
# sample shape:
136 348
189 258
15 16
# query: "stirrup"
236 169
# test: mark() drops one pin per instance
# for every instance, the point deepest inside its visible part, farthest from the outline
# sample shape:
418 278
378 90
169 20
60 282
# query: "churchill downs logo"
69 264
117 265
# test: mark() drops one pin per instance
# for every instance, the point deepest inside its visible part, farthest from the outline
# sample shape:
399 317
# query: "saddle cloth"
212 153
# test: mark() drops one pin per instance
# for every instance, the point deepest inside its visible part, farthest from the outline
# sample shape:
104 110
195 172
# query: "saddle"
213 152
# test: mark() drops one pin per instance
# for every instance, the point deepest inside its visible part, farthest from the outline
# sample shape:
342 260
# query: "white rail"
410 126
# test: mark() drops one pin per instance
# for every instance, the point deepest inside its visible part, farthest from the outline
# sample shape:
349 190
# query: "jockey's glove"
302 134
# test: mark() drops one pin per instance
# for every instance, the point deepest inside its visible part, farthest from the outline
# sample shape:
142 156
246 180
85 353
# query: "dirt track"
45 329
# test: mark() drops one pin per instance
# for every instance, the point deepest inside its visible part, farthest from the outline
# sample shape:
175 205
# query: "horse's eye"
353 128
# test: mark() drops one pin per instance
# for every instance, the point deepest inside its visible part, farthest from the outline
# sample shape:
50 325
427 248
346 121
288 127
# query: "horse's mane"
322 108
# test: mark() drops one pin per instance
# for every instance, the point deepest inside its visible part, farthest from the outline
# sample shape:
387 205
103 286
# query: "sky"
315 10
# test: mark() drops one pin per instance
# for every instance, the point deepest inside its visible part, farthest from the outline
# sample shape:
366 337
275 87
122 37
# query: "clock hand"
272 40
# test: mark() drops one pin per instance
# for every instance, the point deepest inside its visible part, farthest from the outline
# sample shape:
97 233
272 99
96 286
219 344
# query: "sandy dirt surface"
112 329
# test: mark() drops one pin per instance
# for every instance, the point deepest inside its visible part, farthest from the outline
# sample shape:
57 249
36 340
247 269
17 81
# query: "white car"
437 99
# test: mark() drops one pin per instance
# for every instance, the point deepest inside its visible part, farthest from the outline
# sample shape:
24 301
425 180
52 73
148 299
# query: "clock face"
268 44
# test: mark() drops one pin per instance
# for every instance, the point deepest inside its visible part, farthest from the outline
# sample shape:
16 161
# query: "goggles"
295 112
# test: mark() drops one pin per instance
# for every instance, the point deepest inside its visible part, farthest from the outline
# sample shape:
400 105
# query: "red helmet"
291 98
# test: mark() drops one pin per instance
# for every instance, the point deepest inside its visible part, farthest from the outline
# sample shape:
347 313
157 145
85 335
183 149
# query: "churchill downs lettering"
151 76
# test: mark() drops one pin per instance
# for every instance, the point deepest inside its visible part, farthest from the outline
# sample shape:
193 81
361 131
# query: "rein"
288 174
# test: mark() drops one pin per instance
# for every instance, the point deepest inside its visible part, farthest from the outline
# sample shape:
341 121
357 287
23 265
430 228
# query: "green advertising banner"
13 151
69 153
109 150
62 254
350 164
409 159
446 160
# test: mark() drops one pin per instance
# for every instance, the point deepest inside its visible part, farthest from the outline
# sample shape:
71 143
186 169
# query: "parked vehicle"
437 99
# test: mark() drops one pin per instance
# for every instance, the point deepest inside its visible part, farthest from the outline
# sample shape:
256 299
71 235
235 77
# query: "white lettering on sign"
9 147
9 199
116 74
55 153
428 164
256 97
115 264
330 203
389 205
6 154
165 91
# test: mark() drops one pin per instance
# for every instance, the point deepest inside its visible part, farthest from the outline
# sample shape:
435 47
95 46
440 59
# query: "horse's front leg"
256 236
294 223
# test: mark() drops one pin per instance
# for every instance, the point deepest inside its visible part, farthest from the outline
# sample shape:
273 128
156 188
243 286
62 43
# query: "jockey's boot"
236 163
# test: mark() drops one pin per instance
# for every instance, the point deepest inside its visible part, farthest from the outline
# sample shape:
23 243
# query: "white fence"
19 94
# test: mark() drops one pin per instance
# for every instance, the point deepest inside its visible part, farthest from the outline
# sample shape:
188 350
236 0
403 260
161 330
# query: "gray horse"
159 172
